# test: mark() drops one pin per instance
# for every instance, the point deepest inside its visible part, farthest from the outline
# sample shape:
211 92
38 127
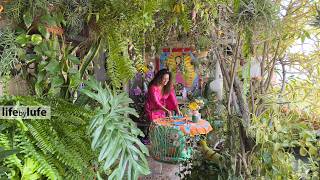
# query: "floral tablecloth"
185 125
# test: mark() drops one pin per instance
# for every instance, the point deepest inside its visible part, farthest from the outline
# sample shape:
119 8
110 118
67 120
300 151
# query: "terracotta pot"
202 54
18 87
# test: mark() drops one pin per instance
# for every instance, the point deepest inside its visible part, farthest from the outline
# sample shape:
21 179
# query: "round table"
170 138
185 125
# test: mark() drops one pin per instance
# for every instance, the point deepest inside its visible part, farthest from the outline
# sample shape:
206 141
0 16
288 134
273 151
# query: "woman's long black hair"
158 78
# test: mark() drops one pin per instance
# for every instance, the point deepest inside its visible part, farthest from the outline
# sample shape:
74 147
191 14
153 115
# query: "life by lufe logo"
25 112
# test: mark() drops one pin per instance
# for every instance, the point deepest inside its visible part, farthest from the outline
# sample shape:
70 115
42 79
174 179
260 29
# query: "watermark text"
25 112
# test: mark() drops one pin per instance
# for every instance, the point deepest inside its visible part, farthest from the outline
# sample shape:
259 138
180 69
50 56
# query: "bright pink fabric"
156 100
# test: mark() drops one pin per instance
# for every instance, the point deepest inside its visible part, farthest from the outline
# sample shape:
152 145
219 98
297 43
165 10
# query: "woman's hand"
169 113
179 112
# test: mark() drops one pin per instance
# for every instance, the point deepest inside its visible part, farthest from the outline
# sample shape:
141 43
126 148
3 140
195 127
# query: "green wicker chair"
168 144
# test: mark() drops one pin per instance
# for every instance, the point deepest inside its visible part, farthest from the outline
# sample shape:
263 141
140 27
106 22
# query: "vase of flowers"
195 106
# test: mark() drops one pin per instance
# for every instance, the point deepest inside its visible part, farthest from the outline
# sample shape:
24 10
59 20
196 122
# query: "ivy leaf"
36 39
42 65
38 50
27 19
49 53
74 59
39 84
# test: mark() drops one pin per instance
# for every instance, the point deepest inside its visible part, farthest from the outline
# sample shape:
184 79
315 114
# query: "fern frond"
54 146
12 162
42 137
78 144
46 167
120 68
59 146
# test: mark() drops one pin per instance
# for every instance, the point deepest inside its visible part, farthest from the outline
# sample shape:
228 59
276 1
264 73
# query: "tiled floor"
161 171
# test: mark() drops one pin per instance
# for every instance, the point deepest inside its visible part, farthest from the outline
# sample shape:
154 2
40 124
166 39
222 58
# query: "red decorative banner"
176 49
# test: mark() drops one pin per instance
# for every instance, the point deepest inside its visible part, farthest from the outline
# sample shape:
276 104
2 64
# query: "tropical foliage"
57 148
114 134
56 45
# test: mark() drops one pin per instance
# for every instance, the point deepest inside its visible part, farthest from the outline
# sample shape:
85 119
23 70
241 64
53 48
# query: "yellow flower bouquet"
195 106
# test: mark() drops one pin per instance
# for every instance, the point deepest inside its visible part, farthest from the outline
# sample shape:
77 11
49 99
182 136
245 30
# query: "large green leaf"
114 135
53 67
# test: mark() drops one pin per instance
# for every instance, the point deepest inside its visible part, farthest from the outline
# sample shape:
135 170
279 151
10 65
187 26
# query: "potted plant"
203 45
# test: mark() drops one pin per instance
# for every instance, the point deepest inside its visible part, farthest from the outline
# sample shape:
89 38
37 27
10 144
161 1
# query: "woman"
161 98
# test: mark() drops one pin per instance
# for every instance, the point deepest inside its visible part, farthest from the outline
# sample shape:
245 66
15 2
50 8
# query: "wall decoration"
180 62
